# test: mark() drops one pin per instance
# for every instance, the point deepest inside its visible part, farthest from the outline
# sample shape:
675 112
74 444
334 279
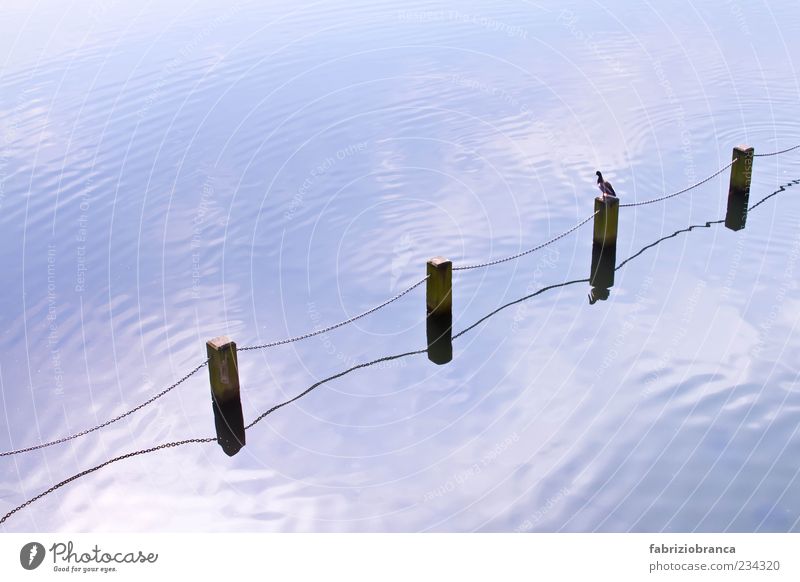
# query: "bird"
605 186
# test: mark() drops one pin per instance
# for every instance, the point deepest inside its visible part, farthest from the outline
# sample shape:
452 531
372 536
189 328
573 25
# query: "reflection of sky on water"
192 171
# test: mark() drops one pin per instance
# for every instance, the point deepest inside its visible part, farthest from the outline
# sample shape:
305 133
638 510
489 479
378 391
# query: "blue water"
171 173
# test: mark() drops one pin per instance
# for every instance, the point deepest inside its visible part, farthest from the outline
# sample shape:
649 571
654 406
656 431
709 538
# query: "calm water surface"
173 173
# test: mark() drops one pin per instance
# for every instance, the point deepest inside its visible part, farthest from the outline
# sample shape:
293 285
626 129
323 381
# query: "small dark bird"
605 187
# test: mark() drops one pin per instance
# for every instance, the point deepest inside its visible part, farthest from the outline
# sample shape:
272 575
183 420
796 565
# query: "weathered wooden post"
223 371
604 247
606 220
439 307
739 190
439 295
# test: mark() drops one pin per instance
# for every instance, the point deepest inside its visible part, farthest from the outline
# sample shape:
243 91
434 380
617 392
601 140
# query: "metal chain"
201 440
317 384
100 466
776 153
328 379
523 253
780 189
340 324
113 420
700 183
314 333
516 301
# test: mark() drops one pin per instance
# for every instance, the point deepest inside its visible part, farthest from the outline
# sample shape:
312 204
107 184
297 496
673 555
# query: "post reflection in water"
601 277
229 423
439 330
736 215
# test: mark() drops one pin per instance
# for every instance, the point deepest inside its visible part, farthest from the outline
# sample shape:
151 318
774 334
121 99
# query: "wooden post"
223 371
741 171
606 219
439 295
739 190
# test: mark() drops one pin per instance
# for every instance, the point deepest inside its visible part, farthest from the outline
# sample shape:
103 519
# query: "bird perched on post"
605 186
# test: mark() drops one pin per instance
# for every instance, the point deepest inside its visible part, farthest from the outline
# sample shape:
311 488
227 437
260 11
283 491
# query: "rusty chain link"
776 153
334 326
100 466
523 253
692 187
106 423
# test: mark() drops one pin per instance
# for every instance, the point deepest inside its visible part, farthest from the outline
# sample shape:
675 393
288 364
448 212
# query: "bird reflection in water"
439 332
601 277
